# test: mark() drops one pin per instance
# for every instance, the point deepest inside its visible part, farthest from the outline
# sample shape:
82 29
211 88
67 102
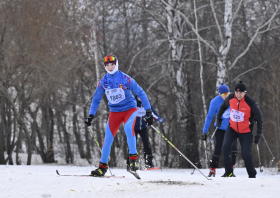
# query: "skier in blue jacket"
141 129
118 86
219 135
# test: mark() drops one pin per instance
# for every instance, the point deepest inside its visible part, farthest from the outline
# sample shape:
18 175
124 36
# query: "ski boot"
253 175
149 162
100 171
150 165
227 174
133 166
212 172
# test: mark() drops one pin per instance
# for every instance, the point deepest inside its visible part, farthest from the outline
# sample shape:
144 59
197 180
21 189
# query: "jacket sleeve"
96 100
258 117
223 108
209 117
155 114
140 93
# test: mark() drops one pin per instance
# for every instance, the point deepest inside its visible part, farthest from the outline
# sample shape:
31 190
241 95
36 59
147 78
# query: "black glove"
257 139
149 117
89 119
204 136
219 122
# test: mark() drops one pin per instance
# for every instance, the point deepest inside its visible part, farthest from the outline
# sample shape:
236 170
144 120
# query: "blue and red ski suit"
122 108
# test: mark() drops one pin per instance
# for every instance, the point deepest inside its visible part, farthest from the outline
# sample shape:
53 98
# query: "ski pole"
178 151
261 170
206 146
269 149
100 150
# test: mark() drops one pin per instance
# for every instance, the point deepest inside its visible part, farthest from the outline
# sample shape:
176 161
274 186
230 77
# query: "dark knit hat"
240 87
223 88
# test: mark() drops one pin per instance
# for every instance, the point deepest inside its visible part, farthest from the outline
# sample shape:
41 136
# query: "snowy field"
42 181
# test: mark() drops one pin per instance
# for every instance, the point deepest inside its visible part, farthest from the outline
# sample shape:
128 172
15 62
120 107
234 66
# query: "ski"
112 176
134 174
154 168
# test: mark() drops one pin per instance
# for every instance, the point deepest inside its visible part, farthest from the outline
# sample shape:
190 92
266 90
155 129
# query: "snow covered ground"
42 181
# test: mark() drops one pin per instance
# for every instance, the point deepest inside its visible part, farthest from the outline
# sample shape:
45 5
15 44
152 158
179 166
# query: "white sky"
42 181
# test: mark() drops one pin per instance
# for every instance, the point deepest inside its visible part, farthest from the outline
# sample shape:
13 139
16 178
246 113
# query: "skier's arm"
96 100
155 115
209 117
258 117
223 108
140 93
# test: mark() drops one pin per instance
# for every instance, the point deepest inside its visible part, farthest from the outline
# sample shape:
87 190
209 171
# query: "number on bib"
236 116
115 96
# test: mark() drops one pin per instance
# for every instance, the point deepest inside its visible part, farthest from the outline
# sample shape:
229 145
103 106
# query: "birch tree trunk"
200 62
225 45
201 81
185 128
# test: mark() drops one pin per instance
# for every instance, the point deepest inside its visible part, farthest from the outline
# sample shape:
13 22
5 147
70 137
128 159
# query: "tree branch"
253 38
139 52
193 28
258 67
217 22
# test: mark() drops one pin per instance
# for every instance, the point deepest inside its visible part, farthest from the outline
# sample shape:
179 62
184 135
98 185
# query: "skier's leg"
246 141
230 137
129 122
110 132
147 147
234 152
219 139
113 124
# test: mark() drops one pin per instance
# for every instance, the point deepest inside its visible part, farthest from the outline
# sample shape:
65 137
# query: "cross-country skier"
219 135
244 111
118 86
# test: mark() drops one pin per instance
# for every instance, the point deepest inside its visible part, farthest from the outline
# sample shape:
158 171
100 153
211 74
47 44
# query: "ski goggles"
109 59
225 94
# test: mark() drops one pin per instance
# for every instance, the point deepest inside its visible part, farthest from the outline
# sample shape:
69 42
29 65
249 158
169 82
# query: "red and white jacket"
243 114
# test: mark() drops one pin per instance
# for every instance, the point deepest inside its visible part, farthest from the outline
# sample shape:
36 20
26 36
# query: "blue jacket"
141 113
119 80
214 109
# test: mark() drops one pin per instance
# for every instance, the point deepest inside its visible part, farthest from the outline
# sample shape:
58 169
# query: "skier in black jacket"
244 111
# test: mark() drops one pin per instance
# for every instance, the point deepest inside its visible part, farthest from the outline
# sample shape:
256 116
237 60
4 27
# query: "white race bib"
236 116
115 96
226 113
140 112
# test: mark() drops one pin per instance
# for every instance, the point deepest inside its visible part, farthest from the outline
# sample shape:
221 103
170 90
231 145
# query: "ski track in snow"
42 181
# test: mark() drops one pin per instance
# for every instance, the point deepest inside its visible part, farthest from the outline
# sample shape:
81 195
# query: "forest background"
178 51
